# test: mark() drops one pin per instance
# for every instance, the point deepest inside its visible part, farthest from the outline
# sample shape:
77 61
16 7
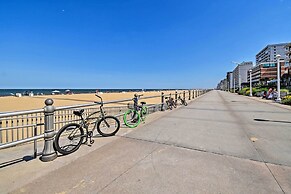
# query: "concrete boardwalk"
219 143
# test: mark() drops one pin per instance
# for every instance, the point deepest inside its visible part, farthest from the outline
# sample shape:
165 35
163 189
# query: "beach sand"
11 103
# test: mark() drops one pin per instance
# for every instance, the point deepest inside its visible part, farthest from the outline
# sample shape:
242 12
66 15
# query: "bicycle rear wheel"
69 138
131 118
108 126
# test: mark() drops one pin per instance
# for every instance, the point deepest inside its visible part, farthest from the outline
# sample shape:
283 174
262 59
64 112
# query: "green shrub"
285 90
259 90
286 100
243 91
247 92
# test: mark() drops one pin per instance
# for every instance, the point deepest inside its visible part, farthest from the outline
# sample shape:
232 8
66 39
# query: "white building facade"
240 74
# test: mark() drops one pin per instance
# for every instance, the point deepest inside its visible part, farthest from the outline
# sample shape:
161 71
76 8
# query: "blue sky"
133 43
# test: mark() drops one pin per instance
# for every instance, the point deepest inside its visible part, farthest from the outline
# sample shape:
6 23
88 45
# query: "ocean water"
10 92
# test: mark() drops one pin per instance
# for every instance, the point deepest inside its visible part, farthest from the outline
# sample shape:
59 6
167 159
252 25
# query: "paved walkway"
220 143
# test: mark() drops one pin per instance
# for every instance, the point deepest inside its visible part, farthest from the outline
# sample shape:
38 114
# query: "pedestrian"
264 95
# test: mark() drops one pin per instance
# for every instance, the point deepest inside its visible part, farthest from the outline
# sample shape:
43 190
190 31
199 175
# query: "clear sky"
133 43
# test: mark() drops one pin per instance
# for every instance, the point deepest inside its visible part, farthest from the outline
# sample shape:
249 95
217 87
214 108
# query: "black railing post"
162 101
189 97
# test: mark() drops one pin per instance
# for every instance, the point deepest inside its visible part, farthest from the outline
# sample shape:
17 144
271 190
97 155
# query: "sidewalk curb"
271 102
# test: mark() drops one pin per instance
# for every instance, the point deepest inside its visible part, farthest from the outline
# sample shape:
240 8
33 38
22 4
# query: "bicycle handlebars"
100 99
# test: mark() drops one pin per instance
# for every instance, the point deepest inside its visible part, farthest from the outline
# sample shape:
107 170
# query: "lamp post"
239 81
278 77
233 85
251 88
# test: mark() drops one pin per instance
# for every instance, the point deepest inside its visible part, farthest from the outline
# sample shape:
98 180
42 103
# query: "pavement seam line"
135 164
200 150
246 133
274 177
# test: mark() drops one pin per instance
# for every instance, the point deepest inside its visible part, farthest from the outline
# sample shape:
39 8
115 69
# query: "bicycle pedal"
92 141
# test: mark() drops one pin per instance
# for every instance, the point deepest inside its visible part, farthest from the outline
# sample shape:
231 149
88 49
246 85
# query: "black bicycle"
70 137
183 101
170 103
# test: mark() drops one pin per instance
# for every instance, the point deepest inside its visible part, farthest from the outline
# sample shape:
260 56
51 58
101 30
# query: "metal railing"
27 126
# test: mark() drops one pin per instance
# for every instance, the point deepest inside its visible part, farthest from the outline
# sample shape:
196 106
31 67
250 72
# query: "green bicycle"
135 115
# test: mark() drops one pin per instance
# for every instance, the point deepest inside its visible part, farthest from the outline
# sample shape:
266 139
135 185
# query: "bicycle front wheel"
144 112
131 118
174 105
108 126
170 106
69 138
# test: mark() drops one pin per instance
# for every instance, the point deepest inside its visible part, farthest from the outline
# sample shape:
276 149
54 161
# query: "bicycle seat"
143 103
78 112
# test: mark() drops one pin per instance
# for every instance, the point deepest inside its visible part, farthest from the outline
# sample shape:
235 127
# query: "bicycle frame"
136 107
84 123
170 101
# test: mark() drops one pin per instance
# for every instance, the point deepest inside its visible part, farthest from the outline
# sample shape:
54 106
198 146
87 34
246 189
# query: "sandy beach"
11 103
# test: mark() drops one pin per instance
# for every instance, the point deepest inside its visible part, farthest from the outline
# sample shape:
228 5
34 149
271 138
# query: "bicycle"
170 103
70 137
183 101
135 115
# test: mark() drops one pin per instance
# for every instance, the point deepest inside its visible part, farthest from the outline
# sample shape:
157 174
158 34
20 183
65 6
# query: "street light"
251 89
278 77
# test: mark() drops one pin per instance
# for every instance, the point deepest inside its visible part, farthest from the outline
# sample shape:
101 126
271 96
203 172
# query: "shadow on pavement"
266 120
16 161
226 110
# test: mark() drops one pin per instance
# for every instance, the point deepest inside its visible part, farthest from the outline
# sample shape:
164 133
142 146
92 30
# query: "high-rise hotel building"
288 52
268 54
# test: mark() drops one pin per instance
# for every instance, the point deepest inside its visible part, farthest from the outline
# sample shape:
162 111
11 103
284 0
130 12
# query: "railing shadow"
18 160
